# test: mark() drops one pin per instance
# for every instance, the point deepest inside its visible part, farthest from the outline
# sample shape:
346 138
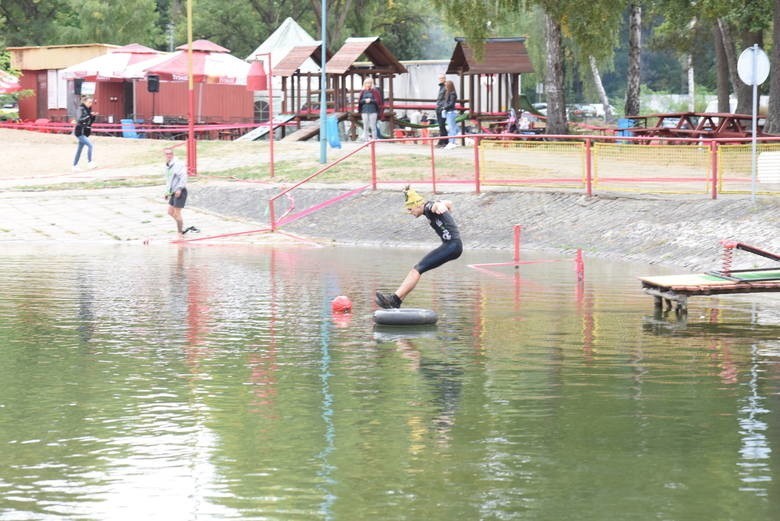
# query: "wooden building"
490 84
57 99
53 98
301 89
346 71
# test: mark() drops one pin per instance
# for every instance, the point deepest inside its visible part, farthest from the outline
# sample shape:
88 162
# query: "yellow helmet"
412 198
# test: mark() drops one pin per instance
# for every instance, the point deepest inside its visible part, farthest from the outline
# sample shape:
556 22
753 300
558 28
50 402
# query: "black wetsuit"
451 246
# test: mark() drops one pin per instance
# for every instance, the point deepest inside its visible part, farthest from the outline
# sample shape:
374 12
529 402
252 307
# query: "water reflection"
215 383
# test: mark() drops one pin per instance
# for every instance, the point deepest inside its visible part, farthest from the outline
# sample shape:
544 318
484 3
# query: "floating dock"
677 288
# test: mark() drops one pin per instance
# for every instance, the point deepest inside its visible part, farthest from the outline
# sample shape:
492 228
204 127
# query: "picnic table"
692 125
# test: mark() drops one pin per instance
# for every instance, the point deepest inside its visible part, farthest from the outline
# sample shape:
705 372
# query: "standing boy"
176 190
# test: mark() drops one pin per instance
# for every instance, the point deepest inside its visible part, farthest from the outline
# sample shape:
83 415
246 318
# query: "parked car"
541 108
9 111
575 111
597 109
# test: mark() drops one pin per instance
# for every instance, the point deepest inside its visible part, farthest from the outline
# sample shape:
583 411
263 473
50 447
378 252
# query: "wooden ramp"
309 131
262 130
303 133
677 288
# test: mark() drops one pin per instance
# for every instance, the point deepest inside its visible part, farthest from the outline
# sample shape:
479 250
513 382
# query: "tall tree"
594 47
129 21
30 22
722 65
554 79
634 60
472 17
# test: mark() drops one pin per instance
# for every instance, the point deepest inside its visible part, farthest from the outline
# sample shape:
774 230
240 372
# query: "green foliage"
414 30
411 31
120 23
30 22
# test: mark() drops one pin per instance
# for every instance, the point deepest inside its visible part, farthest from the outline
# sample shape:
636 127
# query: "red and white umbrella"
9 83
113 66
211 63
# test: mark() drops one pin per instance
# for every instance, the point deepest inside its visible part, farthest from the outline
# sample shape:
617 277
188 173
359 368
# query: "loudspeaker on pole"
153 83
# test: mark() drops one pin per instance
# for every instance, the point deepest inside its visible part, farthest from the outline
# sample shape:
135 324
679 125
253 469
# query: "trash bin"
128 129
623 125
332 129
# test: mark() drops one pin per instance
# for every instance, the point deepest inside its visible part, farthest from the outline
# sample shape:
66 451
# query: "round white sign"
745 66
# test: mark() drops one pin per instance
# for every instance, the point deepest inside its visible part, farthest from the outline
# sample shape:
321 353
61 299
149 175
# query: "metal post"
372 148
588 167
270 111
714 168
755 118
191 161
323 86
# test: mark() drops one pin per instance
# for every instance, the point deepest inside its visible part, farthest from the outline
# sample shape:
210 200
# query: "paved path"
117 215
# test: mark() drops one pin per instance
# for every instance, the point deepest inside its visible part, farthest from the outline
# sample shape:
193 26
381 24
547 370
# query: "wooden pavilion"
490 81
300 96
347 73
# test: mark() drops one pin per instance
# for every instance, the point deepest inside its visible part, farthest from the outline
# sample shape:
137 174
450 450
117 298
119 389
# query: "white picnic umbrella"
113 66
211 63
8 83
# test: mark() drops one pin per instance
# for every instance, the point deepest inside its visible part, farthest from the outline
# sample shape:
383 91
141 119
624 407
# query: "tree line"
602 49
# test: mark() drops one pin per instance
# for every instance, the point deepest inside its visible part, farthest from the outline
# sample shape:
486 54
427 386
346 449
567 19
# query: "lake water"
214 383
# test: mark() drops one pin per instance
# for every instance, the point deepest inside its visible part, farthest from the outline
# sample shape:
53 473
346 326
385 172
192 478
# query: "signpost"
753 69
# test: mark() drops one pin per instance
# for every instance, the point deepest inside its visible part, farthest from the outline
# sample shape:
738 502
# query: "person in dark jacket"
82 131
439 215
370 107
440 112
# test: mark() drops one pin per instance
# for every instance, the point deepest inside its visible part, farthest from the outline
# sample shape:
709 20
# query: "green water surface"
214 383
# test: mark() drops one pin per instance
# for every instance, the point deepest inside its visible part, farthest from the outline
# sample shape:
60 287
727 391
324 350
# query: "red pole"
271 111
272 215
373 164
433 160
714 163
579 266
476 164
433 172
192 167
517 229
588 167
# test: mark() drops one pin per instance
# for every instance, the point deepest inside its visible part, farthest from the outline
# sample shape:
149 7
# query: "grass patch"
91 185
356 169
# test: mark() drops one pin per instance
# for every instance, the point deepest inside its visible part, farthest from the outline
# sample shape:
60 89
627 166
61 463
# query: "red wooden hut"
54 97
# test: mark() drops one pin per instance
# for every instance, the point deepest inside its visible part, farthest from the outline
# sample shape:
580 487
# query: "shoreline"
683 234
680 233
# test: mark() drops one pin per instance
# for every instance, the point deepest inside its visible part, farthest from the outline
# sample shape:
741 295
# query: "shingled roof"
380 57
297 56
500 55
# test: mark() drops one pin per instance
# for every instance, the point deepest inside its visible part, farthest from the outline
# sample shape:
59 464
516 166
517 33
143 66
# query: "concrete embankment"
678 232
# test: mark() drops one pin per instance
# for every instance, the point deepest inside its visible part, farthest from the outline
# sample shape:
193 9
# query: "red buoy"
341 304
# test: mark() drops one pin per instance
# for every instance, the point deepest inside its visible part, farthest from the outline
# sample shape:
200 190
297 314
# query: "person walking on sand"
82 131
176 190
440 118
439 214
369 106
